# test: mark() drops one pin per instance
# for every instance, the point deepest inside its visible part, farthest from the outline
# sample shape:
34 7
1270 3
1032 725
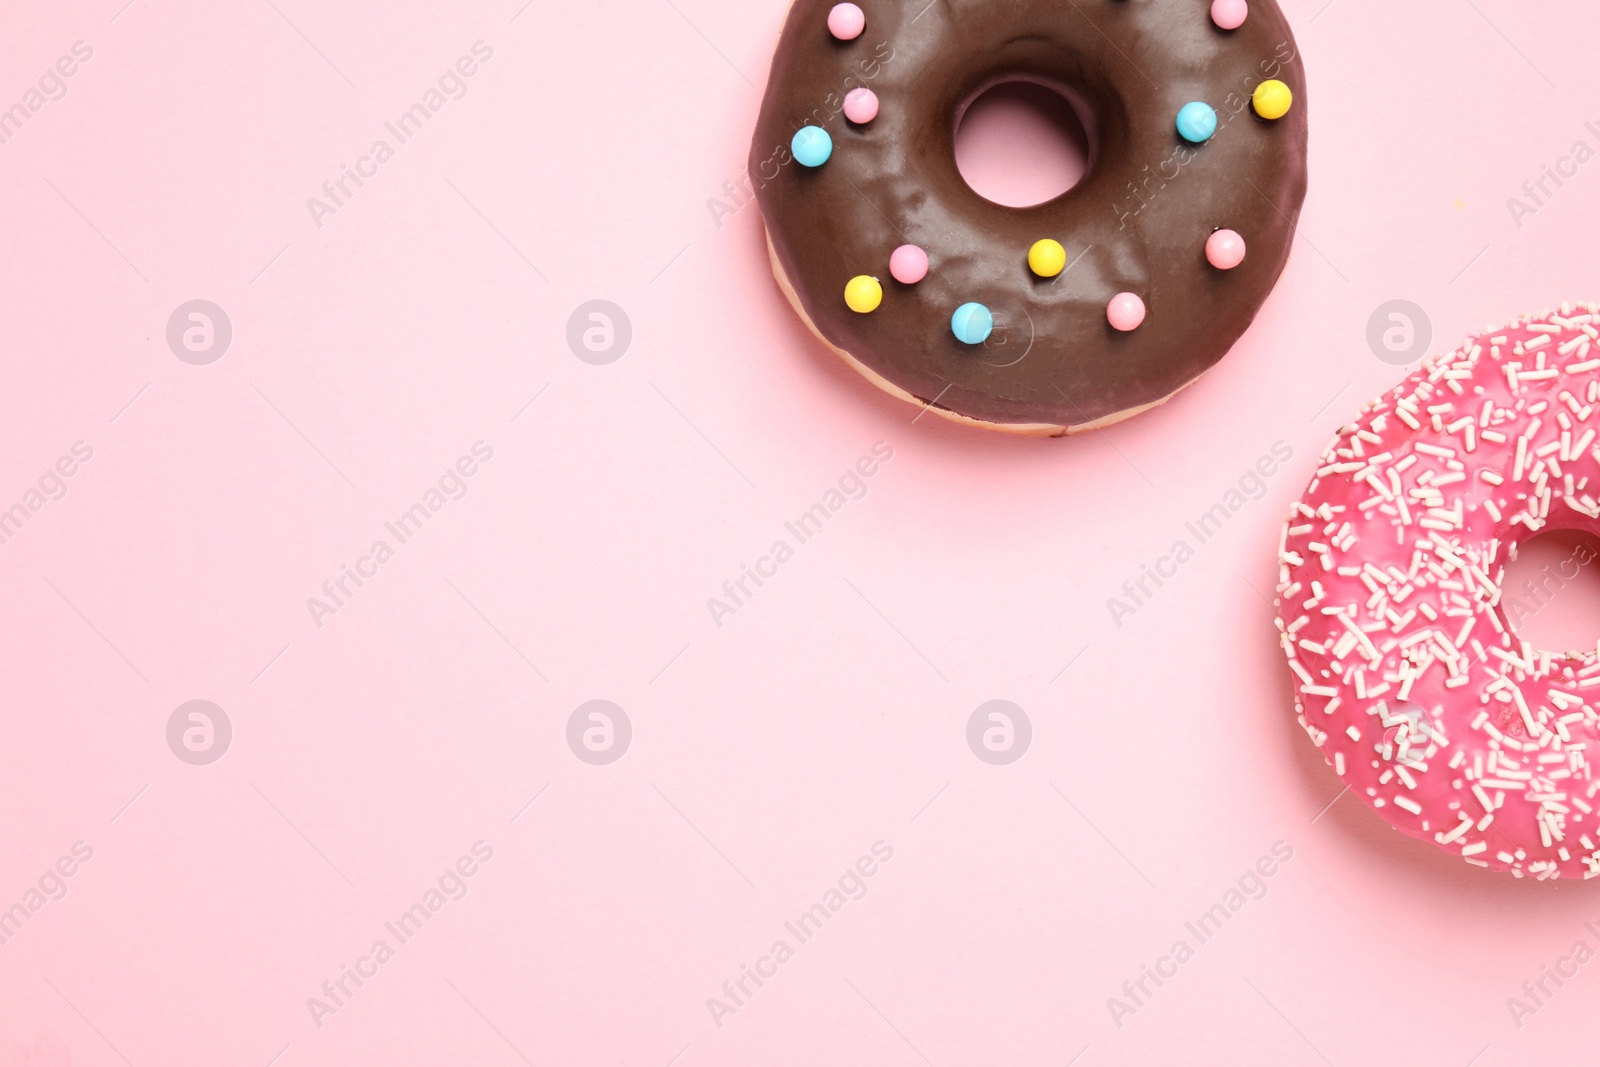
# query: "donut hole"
1021 143
1551 592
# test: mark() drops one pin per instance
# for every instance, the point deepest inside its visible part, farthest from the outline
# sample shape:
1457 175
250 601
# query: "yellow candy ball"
863 293
1272 99
1047 258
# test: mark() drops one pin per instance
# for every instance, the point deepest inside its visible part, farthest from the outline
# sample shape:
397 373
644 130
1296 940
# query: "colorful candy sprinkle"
863 293
908 264
846 21
1047 258
1272 99
1225 250
1229 14
861 106
972 323
1125 312
811 146
1197 122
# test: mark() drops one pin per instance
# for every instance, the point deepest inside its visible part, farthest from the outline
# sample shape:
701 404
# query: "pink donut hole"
861 106
1225 250
846 21
1125 312
908 264
1229 14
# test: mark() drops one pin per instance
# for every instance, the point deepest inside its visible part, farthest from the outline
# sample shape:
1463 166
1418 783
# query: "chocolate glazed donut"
1138 222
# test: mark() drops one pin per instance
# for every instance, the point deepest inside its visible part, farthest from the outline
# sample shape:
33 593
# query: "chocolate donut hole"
1022 142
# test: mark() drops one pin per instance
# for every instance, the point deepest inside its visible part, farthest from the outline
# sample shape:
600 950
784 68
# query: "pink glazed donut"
1408 672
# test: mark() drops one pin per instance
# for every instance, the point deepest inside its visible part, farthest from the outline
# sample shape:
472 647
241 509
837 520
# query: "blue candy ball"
811 146
972 324
1196 122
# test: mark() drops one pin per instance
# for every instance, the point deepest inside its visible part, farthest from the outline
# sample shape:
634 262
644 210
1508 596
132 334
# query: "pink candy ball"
1225 250
846 21
1125 312
908 264
861 106
1229 14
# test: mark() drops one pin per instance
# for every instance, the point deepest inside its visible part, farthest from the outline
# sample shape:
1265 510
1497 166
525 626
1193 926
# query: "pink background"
768 754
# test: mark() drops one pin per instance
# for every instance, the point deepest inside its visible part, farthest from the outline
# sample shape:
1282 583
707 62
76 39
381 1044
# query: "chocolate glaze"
1137 221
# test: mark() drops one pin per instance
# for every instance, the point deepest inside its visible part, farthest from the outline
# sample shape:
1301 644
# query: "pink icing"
1408 673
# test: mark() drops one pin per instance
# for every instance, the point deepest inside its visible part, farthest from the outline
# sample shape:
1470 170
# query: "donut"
1070 314
1401 638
